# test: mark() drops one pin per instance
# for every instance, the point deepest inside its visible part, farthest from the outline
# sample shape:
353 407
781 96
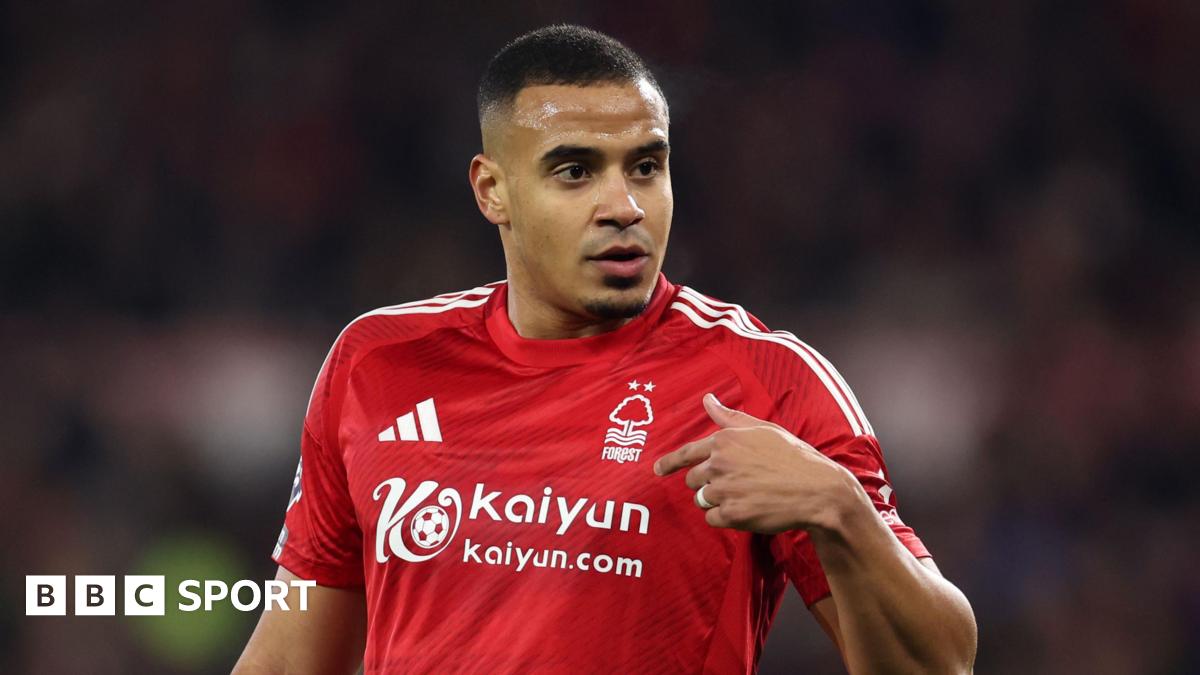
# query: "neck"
536 319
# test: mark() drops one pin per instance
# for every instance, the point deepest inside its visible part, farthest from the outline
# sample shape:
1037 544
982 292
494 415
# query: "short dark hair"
558 54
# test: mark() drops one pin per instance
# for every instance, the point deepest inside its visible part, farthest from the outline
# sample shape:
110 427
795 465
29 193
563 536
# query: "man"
490 480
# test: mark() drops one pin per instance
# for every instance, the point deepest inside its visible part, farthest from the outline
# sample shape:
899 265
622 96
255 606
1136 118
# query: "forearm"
895 615
327 637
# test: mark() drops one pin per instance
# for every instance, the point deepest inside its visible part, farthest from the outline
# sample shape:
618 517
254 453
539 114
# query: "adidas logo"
406 425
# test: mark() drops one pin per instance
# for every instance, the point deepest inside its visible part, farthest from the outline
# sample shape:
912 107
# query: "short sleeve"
822 411
321 539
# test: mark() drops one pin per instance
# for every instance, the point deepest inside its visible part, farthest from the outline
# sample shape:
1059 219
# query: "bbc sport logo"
146 595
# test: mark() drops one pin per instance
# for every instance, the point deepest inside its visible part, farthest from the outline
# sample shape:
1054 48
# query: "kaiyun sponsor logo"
434 527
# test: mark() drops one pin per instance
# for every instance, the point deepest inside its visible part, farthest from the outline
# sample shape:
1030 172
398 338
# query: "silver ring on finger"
701 501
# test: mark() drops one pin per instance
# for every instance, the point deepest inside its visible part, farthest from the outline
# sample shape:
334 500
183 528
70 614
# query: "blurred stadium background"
986 213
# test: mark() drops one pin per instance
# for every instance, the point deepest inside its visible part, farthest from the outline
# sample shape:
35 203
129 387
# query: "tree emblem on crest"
634 411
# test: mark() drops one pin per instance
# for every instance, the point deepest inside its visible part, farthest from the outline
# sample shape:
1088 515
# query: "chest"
594 427
521 504
439 458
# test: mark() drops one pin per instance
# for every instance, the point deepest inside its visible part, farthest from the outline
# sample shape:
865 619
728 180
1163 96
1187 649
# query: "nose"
616 205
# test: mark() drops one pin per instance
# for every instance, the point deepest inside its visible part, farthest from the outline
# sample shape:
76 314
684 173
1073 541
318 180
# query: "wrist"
847 509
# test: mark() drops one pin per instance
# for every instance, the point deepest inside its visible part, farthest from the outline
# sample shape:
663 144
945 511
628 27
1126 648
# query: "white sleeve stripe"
442 299
741 315
407 308
698 299
727 320
845 386
445 298
429 309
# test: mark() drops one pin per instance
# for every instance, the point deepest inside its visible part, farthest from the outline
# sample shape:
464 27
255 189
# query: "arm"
894 628
893 613
327 638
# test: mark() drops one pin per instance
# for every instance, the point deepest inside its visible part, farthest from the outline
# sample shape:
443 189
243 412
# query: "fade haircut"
558 54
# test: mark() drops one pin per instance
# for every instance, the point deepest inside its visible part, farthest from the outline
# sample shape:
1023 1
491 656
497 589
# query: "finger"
715 518
699 475
687 455
713 493
727 418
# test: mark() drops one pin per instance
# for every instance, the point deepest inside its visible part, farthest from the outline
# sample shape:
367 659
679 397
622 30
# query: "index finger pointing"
687 455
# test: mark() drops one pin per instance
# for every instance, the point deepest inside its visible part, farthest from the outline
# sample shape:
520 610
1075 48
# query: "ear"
487 180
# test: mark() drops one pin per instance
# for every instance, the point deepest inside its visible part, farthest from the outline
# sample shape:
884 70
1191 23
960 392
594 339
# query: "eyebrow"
561 152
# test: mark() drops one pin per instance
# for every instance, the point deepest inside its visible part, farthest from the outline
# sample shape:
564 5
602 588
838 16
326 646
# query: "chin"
617 283
626 298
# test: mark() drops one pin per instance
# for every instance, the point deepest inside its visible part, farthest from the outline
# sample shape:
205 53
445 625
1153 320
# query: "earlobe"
487 182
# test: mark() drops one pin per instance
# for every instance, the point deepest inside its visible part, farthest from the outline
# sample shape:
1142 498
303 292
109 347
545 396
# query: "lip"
622 268
631 249
632 266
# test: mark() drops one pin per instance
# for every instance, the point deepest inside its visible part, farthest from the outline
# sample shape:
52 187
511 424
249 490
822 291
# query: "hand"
760 477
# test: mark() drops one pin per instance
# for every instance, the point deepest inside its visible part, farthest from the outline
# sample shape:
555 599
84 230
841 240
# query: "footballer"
587 468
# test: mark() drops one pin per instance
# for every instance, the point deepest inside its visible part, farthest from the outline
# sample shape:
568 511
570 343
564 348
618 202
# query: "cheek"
551 246
558 224
659 209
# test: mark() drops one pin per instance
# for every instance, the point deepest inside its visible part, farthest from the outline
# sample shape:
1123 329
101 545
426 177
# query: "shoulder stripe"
837 376
444 303
692 306
843 386
455 303
442 299
739 314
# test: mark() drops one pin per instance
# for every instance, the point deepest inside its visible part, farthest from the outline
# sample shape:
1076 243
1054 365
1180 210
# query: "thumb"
728 417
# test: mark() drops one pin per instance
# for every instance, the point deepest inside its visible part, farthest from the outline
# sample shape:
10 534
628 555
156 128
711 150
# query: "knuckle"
720 461
734 512
713 493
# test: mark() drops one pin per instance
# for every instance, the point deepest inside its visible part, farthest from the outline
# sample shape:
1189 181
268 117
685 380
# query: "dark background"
985 213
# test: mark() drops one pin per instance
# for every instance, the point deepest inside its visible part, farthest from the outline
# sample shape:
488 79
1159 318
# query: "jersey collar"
572 351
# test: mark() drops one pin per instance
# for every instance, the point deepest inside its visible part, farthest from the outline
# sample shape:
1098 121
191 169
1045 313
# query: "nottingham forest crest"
625 441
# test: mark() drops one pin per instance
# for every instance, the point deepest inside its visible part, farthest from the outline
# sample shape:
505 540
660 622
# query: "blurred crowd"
986 214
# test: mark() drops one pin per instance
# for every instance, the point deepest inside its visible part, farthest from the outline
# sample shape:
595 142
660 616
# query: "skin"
328 638
568 172
889 612
554 209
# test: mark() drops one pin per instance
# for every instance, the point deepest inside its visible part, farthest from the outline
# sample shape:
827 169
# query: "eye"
571 172
646 168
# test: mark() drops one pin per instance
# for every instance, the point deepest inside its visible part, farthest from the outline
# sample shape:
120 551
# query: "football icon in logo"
429 526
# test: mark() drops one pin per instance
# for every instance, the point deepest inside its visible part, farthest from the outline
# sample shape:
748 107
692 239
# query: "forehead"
546 115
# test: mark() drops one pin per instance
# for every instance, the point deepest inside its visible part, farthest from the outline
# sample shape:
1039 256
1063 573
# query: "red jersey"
494 496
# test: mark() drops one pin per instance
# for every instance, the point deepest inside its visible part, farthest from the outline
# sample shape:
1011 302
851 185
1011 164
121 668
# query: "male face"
582 195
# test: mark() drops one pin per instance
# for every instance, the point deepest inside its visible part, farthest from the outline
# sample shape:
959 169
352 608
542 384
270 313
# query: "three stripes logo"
406 427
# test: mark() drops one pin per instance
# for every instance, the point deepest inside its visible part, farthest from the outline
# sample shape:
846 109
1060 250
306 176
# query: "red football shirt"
494 496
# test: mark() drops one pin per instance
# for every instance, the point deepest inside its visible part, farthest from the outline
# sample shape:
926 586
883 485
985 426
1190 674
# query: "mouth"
621 261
